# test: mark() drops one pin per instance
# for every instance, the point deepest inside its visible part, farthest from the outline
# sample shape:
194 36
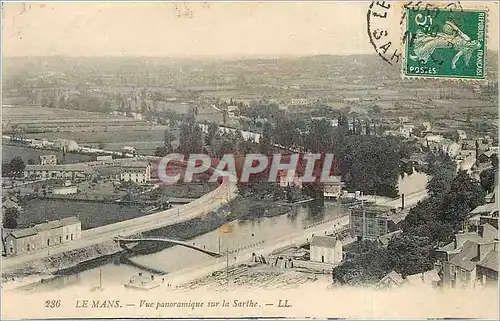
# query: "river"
244 233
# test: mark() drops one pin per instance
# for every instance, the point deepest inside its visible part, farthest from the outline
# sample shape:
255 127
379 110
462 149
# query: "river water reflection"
244 234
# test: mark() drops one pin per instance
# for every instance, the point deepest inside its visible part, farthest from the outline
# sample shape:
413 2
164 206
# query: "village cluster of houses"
124 169
41 236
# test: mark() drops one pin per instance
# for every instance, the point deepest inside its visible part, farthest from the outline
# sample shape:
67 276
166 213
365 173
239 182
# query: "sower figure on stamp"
450 37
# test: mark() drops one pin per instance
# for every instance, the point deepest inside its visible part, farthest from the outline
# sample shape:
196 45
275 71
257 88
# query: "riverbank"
79 260
47 268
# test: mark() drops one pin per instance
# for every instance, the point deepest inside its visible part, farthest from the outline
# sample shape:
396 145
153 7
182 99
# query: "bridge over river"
193 246
202 206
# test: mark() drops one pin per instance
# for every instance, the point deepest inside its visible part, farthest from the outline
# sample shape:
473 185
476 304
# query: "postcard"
250 159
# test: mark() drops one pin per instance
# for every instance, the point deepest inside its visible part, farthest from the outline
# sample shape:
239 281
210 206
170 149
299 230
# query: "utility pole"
219 241
100 279
227 265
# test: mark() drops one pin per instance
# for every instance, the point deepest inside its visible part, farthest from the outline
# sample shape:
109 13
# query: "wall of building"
43 239
486 276
327 255
65 190
72 232
369 227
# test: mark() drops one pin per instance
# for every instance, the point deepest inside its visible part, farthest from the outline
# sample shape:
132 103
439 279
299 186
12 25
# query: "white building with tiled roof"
326 249
42 236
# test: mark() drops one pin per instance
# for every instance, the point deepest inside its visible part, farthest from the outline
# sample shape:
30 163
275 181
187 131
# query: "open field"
91 214
51 123
9 152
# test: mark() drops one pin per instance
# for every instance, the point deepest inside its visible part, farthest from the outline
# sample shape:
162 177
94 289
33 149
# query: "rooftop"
49 225
490 261
373 208
427 277
486 208
465 257
135 165
63 167
394 276
384 239
324 241
25 232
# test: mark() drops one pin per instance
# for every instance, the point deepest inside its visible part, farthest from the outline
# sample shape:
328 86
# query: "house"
487 270
69 171
299 101
391 280
129 150
104 158
326 249
65 190
465 154
21 241
351 100
67 145
450 148
403 119
384 240
232 111
430 278
462 256
139 173
461 134
487 213
433 138
42 236
427 126
485 157
47 160
406 130
333 189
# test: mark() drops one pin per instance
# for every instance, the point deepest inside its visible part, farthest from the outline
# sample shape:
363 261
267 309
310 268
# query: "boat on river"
140 282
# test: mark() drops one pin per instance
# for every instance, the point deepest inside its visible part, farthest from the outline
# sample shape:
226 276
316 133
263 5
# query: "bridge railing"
214 198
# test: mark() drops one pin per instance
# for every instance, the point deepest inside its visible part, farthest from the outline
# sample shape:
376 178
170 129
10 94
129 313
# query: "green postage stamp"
443 43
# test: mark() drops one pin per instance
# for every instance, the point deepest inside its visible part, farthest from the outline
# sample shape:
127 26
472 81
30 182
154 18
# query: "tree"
494 161
487 178
10 217
191 137
410 254
369 163
212 133
17 166
168 138
266 139
366 266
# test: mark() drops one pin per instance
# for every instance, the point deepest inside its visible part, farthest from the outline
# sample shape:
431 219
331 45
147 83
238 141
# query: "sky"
192 29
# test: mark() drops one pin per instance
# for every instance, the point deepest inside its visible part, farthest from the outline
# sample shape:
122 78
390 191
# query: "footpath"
193 273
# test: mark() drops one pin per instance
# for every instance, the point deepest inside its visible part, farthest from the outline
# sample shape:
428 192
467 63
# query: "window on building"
60 239
28 247
72 237
67 237
48 242
11 250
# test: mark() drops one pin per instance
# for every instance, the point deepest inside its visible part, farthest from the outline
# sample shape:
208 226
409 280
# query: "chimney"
402 201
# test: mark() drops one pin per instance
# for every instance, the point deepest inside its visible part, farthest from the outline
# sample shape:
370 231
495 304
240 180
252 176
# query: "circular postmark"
384 32
387 25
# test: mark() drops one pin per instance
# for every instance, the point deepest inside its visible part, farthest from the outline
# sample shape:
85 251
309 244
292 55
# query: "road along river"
258 236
